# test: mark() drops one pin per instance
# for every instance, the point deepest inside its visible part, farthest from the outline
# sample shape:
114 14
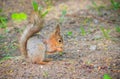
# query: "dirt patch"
88 52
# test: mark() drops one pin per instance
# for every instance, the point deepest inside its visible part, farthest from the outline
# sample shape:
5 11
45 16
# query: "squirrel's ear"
57 31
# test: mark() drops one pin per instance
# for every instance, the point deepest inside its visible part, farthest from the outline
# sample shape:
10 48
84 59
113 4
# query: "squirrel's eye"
59 40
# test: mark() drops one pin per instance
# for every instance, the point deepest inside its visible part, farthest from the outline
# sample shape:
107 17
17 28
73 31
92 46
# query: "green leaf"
69 33
64 12
23 16
118 29
44 13
19 16
106 76
94 3
35 5
116 5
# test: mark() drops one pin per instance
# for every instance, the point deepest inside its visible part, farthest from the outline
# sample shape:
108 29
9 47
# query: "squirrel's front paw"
41 62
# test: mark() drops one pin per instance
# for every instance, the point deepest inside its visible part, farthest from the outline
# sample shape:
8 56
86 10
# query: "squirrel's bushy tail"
36 26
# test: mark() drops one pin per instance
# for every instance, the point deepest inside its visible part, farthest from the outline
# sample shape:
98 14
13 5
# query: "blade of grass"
83 32
35 5
5 58
105 32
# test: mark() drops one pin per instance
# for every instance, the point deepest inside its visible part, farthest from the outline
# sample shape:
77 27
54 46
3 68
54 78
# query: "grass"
62 17
117 29
7 47
115 5
5 58
48 3
1 37
3 21
39 9
45 74
82 30
69 33
64 12
96 7
35 5
87 20
106 32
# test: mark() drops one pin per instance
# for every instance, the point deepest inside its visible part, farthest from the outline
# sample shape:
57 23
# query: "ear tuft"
58 27
57 31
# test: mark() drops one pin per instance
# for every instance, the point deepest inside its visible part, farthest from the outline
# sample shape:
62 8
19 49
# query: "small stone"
95 21
41 67
97 36
78 50
24 63
93 47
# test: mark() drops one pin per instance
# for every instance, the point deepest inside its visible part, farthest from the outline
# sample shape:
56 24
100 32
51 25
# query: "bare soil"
86 56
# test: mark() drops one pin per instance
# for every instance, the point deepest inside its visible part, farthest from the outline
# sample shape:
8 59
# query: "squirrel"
36 47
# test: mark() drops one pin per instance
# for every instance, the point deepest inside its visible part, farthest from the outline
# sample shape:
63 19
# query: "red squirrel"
36 48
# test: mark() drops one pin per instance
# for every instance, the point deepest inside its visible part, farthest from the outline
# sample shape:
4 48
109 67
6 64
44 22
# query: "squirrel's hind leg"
45 61
41 62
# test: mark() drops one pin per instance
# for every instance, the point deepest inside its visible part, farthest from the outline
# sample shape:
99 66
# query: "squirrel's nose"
60 49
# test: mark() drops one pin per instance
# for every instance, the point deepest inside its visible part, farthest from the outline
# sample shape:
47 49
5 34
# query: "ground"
91 42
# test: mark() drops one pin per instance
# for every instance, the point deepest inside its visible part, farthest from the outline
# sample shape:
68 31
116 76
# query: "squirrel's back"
36 48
